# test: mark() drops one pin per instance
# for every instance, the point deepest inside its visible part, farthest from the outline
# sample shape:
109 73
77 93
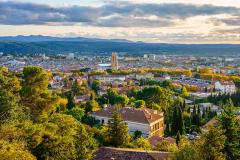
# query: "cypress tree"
180 121
177 124
178 137
174 126
204 113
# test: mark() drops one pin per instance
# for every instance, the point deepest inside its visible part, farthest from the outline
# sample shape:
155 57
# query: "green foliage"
77 113
178 137
24 134
14 151
184 92
113 98
166 146
231 127
137 134
212 144
224 98
64 138
139 104
76 88
177 120
91 106
71 101
187 151
34 94
142 143
9 98
96 86
118 131
155 94
208 147
195 117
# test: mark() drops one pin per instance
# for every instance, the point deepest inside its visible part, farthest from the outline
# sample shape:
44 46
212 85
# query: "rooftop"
107 153
145 115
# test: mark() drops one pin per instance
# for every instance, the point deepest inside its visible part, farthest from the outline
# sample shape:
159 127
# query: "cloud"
232 21
235 31
122 14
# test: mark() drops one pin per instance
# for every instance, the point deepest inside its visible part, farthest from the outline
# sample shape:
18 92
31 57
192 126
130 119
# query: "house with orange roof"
150 122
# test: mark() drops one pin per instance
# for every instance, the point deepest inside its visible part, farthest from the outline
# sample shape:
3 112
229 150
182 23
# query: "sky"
160 21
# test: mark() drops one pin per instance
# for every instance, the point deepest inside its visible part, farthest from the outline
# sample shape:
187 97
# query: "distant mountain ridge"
62 45
40 38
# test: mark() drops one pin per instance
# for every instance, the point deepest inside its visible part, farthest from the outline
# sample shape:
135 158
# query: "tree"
231 127
195 117
137 134
15 151
9 98
77 113
177 123
96 86
187 151
212 144
122 100
157 95
76 88
118 131
34 94
70 99
139 104
178 137
187 121
64 137
166 146
184 92
91 106
208 147
142 143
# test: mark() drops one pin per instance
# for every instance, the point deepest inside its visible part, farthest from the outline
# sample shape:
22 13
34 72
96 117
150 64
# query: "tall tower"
114 61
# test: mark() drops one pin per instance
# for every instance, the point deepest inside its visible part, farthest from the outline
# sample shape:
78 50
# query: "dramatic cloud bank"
159 21
109 15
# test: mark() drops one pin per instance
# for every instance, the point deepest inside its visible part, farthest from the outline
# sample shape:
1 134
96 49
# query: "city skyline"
165 21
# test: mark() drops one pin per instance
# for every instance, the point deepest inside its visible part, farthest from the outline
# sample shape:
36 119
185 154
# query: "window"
102 121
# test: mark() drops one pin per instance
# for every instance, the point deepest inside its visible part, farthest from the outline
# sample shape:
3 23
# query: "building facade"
114 61
149 122
227 87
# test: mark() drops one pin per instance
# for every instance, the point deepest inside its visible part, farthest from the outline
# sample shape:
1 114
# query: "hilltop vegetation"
54 45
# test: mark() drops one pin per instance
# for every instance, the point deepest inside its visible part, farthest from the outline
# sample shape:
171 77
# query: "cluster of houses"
125 83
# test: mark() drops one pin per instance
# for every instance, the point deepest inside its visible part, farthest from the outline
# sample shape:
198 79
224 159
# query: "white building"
227 87
149 122
144 76
70 56
111 78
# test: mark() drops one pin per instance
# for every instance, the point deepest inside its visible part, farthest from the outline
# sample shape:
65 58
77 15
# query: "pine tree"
118 131
231 126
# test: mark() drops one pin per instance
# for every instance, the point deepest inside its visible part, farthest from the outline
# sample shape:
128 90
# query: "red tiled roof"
106 153
227 83
144 115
